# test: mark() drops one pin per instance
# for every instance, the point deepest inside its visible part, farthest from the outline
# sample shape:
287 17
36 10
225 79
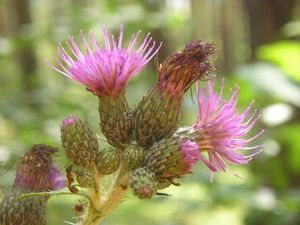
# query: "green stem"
96 190
52 193
101 207
117 191
93 217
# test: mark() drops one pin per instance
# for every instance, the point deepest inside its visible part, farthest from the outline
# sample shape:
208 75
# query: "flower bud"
79 142
84 177
172 158
14 211
133 156
157 115
143 183
115 120
108 160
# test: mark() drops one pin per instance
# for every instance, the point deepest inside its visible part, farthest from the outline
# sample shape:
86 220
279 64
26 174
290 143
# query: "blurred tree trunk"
25 46
3 20
157 33
266 18
223 23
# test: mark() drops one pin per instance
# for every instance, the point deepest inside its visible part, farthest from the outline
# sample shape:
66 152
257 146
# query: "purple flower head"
172 158
70 120
56 178
36 172
221 129
105 71
190 154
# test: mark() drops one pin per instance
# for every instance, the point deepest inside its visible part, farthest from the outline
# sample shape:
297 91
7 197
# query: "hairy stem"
96 190
93 217
52 193
101 206
118 189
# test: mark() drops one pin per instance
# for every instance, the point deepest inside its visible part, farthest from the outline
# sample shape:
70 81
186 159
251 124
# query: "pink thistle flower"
70 121
190 155
105 71
221 129
57 179
172 158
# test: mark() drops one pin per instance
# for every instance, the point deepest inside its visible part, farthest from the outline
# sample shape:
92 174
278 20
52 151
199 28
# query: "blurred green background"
258 43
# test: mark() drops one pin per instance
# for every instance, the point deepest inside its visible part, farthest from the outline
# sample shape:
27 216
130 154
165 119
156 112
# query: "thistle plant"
148 150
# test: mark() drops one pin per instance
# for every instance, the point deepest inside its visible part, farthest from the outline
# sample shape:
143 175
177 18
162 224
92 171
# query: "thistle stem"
118 189
52 193
101 206
96 190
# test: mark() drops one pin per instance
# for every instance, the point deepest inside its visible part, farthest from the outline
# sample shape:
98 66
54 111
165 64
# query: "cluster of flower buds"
147 139
35 173
81 147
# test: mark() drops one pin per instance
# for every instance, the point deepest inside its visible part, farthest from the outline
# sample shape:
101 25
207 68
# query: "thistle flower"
222 130
57 180
172 158
157 114
105 71
36 171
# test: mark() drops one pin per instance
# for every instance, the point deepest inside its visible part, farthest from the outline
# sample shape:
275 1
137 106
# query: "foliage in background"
32 102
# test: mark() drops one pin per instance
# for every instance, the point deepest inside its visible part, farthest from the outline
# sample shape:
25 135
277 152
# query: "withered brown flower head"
180 70
34 171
